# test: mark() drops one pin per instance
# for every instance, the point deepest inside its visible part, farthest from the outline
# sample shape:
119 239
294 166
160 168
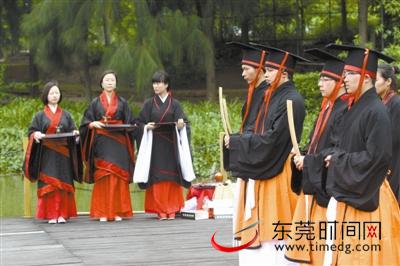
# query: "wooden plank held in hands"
221 109
228 124
289 105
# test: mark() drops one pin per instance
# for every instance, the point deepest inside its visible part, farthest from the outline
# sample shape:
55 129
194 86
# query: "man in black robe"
261 158
359 164
310 174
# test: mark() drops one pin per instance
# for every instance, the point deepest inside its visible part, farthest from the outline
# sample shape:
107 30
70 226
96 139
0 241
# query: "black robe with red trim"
111 150
362 157
314 170
394 178
164 164
249 125
53 163
262 155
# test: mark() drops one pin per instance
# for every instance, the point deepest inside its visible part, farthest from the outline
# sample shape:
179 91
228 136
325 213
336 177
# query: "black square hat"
333 66
276 56
357 55
252 56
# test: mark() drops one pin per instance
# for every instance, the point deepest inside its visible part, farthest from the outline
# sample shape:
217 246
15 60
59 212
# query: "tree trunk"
298 27
344 22
363 21
207 15
383 26
372 37
302 27
106 22
274 21
13 16
245 27
34 76
86 78
330 17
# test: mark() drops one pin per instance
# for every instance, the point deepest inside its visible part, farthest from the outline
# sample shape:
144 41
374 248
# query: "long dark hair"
161 76
389 72
46 90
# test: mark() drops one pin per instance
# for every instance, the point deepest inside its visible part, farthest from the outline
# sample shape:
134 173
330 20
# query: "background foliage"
16 114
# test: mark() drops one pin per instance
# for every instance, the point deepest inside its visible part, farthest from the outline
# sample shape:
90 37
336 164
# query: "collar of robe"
268 94
158 107
323 116
388 96
110 108
54 118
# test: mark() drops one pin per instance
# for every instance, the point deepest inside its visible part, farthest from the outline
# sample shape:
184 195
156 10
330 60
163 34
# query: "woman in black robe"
386 87
164 193
108 153
54 162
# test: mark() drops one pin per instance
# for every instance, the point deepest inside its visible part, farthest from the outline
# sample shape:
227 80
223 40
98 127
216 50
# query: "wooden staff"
289 105
228 124
221 109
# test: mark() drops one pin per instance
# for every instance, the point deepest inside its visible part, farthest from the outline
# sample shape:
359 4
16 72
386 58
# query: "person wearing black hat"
261 159
253 69
312 203
386 87
357 168
253 73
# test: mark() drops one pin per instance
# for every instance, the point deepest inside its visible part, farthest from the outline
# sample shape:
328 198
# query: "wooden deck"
142 240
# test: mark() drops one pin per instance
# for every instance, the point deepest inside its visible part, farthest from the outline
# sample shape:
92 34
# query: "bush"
307 85
16 115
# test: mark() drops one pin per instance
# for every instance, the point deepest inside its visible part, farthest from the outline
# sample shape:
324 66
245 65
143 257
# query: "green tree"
168 39
10 16
61 38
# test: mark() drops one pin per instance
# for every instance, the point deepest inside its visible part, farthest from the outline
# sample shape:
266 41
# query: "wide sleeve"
143 119
178 111
128 115
270 147
145 112
35 125
314 170
86 141
70 123
129 118
356 177
394 178
31 163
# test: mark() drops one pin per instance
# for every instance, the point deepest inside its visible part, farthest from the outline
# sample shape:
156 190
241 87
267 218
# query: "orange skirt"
274 202
111 198
374 251
317 215
164 198
55 204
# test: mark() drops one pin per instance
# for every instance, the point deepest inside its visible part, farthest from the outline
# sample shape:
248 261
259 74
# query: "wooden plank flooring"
142 240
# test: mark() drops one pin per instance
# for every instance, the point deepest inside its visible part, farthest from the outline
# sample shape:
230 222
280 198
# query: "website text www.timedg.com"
347 248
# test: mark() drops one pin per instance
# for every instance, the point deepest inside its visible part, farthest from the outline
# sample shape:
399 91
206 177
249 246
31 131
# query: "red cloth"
111 198
200 192
164 198
57 203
